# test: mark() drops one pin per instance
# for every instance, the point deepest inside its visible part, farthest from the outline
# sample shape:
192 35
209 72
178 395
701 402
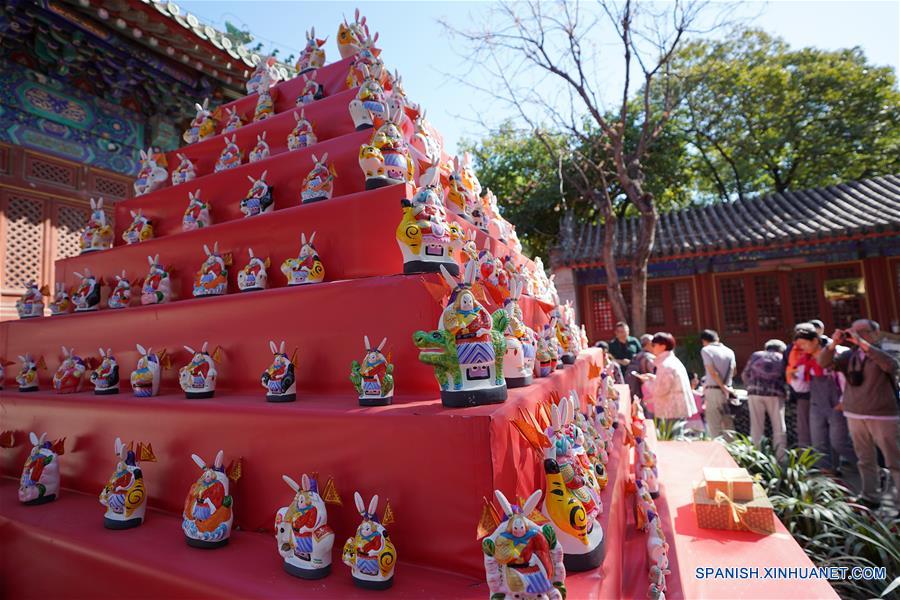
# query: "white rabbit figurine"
254 276
125 494
370 554
106 376
146 375
184 171
279 379
39 483
302 533
198 377
261 150
207 517
151 176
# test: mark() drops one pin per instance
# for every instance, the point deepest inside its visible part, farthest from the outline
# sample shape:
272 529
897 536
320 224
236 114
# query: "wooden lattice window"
768 303
24 241
50 172
656 313
601 312
114 188
682 304
804 296
734 305
70 222
845 291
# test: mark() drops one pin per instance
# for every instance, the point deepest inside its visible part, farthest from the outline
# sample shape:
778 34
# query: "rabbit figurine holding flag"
261 150
231 155
152 174
140 230
313 55
259 198
196 215
202 126
319 183
146 375
212 278
198 377
31 303
69 377
370 554
207 517
61 303
302 532
279 379
28 375
125 494
307 267
185 170
120 296
106 376
39 483
374 378
86 297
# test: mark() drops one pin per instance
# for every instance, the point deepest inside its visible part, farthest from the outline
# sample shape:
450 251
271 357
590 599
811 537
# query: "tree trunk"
613 285
640 259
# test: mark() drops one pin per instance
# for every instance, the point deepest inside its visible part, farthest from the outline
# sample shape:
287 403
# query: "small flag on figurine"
234 471
330 493
388 516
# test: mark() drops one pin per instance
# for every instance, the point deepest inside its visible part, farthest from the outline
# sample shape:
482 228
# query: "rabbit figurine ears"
97 204
516 287
561 414
107 353
217 465
320 161
144 351
153 260
303 239
369 346
86 275
527 507
37 441
215 249
306 484
276 349
261 178
204 349
67 352
204 108
361 507
468 277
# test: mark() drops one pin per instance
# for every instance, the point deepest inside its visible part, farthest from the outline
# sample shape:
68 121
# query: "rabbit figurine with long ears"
207 517
367 60
461 200
547 352
97 234
521 558
234 122
202 126
313 54
265 99
319 183
351 35
369 105
152 174
518 363
185 170
39 483
140 229
86 297
196 215
374 378
279 379
31 303
61 303
106 376
388 145
424 236
267 68
307 267
69 377
125 494
146 375
157 288
254 276
370 554
198 377
311 91
212 278
302 532
467 348
259 198
645 466
231 155
27 378
261 150
302 135
120 296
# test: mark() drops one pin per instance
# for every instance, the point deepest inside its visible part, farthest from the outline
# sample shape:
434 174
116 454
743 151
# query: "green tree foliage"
761 117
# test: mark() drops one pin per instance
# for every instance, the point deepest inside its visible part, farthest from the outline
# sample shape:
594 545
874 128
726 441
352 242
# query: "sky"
414 42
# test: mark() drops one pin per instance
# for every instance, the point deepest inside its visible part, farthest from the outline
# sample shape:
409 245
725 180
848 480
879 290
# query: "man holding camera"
870 402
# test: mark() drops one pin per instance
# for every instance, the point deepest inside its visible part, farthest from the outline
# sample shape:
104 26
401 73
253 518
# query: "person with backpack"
763 376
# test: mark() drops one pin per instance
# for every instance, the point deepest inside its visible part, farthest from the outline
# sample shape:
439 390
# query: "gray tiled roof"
870 205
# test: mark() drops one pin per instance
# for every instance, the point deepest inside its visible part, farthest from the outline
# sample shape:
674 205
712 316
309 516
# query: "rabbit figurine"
61 303
279 380
86 297
302 135
196 215
69 377
261 150
146 375
265 99
521 558
152 173
254 276
319 183
259 198
311 91
307 267
374 378
234 122
518 363
31 303
207 516
461 199
313 54
140 230
386 159
125 494
157 287
198 377
370 554
265 68
184 171
39 483
369 104
120 296
28 375
106 376
212 278
202 126
302 532
97 234
231 155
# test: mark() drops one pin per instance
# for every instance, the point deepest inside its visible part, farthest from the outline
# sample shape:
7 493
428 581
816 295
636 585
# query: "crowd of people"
844 387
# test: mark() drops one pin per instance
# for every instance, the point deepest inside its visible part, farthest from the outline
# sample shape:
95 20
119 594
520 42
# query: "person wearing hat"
870 402
827 424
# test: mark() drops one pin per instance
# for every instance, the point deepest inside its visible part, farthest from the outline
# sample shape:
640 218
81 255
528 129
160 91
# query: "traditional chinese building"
84 85
753 268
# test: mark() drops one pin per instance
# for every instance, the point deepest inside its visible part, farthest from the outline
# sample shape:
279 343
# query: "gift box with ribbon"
736 483
721 512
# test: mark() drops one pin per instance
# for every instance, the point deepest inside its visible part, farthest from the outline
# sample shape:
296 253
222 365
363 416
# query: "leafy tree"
761 117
